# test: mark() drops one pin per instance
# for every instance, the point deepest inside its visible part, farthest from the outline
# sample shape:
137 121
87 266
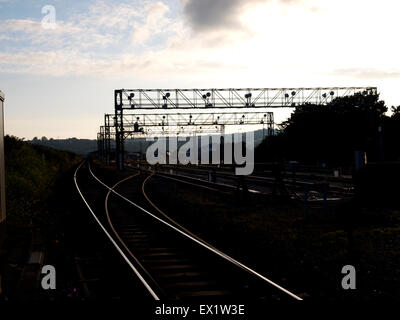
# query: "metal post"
107 138
270 124
102 142
119 139
119 130
122 141
98 146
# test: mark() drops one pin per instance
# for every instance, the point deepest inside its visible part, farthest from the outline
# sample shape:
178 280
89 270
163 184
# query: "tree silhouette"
329 133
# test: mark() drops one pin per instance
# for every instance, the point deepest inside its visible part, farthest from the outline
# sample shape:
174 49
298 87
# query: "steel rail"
117 235
251 178
166 176
163 175
147 286
219 253
168 217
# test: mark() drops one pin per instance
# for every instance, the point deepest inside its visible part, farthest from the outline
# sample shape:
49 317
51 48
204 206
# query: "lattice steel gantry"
201 109
229 98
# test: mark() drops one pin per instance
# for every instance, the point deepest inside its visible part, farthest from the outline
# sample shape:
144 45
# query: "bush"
31 171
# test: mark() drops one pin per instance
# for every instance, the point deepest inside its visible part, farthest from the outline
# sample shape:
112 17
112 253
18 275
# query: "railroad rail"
166 257
117 247
228 182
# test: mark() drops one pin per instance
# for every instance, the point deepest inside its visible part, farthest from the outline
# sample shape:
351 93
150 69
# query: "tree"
395 111
329 133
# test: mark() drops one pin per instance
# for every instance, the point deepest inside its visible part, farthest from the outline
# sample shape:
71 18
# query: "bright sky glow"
59 82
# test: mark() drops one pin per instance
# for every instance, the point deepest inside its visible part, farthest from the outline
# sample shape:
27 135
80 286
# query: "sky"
59 81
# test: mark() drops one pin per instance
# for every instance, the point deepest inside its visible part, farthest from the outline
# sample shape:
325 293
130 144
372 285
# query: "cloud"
142 41
101 26
208 15
368 73
67 34
110 41
155 22
74 62
104 40
108 16
153 40
215 14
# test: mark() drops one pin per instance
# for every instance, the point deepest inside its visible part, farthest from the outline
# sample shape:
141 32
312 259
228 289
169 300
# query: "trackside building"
2 169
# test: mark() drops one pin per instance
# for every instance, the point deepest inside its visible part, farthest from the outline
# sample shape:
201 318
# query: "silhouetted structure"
212 102
330 134
2 169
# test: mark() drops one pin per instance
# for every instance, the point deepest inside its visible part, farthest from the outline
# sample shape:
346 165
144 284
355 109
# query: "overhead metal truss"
230 98
105 139
195 119
184 124
135 113
160 131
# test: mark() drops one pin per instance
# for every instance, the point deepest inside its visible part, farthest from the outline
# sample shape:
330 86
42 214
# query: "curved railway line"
169 260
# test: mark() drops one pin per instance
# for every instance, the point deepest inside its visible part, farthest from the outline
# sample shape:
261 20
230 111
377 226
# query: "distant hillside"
78 146
85 146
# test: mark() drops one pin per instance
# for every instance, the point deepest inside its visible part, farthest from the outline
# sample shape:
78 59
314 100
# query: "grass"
31 174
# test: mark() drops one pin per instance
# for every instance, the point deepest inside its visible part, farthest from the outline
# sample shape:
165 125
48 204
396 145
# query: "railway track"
230 179
230 185
170 261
